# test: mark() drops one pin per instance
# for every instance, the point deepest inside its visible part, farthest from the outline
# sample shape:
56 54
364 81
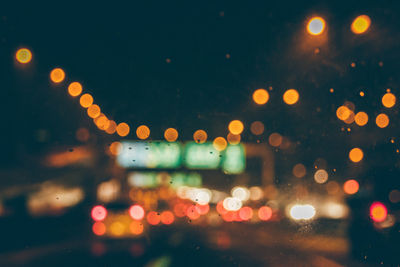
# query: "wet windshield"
200 133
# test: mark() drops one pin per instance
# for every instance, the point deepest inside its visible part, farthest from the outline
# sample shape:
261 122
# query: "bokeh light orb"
321 176
57 75
316 26
291 96
360 24
236 127
123 129
142 132
260 96
351 187
219 143
382 120
23 55
388 100
356 155
361 118
86 100
74 89
171 134
200 136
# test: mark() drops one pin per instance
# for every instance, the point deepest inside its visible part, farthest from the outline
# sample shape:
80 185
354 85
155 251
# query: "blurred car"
118 220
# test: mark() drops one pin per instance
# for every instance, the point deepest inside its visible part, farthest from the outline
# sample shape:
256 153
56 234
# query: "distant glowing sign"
153 179
149 155
165 155
234 160
201 156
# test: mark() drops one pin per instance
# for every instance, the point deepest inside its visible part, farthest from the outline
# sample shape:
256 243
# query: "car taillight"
99 213
136 212
378 212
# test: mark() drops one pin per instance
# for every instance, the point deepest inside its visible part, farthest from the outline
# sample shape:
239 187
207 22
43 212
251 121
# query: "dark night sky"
118 52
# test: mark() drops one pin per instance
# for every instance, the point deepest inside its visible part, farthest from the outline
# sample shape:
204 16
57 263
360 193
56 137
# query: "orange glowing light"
388 100
93 111
233 139
245 213
236 127
202 209
23 55
350 119
257 128
360 24
378 212
275 139
102 122
57 75
143 132
99 228
136 227
99 213
316 26
171 134
115 148
291 96
75 89
265 213
220 208
167 217
356 155
343 113
123 129
86 100
153 218
219 143
136 212
112 127
351 187
361 118
260 96
299 170
200 136
192 213
382 120
180 210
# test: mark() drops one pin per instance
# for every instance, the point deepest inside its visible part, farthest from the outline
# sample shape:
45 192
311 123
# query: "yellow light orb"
57 75
86 100
23 55
343 113
143 132
388 100
361 118
260 96
382 120
356 155
220 143
235 127
291 96
112 127
171 135
93 111
123 129
360 24
75 89
200 136
316 26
